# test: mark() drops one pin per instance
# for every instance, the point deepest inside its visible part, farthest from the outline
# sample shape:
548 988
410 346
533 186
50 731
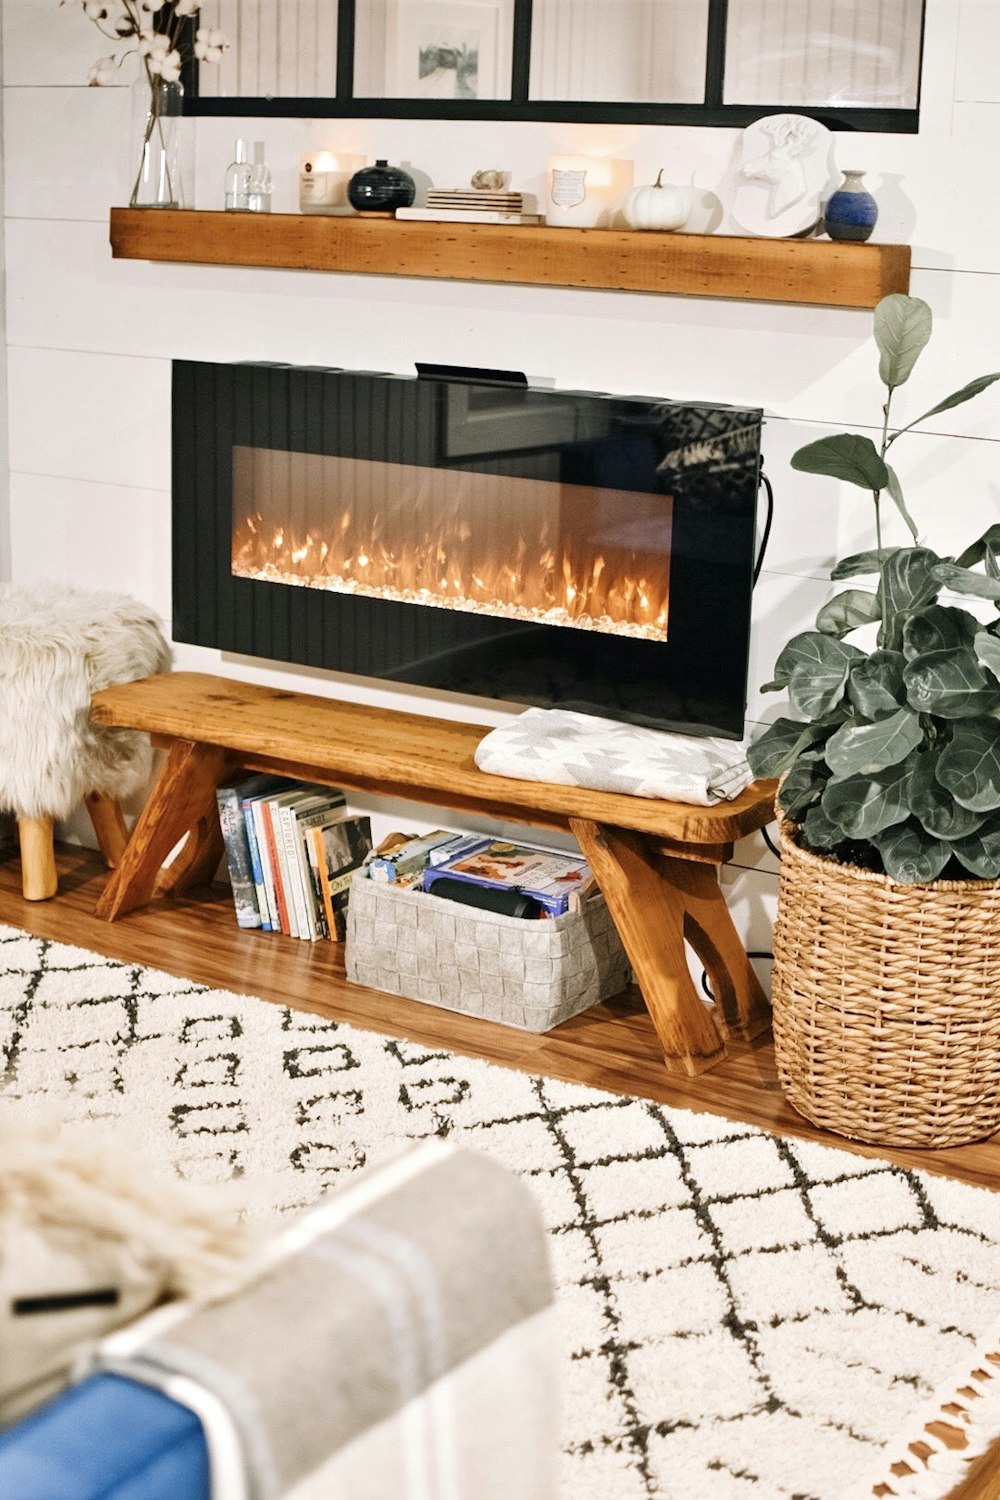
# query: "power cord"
704 974
770 843
768 518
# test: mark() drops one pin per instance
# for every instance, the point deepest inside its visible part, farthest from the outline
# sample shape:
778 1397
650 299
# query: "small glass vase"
852 212
164 162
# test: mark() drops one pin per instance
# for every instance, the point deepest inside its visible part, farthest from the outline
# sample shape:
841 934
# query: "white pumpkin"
657 205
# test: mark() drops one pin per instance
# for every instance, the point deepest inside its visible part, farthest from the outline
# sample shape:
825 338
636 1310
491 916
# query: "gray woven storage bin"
531 974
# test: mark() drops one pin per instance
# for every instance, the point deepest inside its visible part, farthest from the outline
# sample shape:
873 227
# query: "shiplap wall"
90 340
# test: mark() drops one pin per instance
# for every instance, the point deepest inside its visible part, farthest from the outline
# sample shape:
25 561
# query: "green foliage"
894 762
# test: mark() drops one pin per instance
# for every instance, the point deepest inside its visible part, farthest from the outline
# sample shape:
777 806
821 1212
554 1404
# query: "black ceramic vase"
380 189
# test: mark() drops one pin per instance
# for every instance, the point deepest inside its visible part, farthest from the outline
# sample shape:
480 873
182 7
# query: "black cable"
769 493
704 973
775 850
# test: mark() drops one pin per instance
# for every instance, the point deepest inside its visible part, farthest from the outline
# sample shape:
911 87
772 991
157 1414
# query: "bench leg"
39 880
181 802
709 929
110 827
649 915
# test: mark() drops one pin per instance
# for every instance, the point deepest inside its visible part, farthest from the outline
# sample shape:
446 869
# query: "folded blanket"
570 749
397 1345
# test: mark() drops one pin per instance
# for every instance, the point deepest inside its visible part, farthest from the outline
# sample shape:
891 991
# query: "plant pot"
887 1002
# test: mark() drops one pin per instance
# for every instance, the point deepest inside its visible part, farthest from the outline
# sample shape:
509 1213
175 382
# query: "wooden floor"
611 1047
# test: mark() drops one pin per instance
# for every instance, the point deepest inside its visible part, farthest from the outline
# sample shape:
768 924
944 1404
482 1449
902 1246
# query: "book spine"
315 882
255 865
276 887
319 845
265 864
291 875
234 836
312 903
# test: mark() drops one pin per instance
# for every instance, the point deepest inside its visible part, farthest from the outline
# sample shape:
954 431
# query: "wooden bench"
654 861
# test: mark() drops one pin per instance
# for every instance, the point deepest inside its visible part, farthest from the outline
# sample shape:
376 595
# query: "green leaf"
875 685
847 611
845 455
911 855
801 789
780 745
950 684
956 398
902 328
964 581
987 649
940 814
969 765
939 627
867 748
863 805
977 552
896 491
820 833
860 564
908 582
979 852
815 650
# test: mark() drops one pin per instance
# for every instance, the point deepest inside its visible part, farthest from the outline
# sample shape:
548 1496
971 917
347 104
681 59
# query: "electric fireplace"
466 532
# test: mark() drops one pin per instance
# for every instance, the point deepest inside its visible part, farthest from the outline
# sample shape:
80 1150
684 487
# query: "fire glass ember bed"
470 535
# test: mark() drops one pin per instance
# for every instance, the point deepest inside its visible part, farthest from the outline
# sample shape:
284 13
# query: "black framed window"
852 64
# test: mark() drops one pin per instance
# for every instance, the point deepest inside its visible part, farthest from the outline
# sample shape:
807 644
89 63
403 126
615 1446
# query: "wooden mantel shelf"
839 274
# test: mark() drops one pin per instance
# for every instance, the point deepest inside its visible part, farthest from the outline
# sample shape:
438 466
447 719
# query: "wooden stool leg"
109 826
649 916
38 860
181 802
710 931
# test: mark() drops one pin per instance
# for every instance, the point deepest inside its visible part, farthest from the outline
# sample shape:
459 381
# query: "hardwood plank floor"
611 1046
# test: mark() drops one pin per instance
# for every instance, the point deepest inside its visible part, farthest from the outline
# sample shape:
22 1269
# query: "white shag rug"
743 1317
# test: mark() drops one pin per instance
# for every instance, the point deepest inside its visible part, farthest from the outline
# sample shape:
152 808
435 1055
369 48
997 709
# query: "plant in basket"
890 804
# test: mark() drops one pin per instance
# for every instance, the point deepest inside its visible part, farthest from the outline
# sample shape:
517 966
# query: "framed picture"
442 49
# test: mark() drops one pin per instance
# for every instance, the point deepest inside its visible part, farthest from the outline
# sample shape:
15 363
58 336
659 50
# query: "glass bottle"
260 182
239 175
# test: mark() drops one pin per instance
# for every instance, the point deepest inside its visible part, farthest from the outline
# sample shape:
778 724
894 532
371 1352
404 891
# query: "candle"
323 179
585 191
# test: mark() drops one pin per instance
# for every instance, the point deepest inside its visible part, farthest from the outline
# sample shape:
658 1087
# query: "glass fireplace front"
470 535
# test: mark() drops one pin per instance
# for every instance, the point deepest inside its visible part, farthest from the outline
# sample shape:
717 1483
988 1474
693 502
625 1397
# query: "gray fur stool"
58 645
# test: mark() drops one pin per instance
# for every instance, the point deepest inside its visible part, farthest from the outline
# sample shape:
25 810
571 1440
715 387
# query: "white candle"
585 191
323 179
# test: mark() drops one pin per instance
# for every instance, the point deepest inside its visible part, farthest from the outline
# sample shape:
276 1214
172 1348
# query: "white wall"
90 340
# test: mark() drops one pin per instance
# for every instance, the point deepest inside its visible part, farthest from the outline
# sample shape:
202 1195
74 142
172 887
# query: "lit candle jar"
585 191
323 179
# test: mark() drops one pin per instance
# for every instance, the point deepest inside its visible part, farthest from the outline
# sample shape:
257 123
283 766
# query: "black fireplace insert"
470 533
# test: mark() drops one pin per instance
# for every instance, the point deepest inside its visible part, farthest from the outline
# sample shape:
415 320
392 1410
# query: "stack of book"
474 206
291 848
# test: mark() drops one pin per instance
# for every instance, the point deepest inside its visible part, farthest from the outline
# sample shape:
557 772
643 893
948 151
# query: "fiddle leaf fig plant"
893 762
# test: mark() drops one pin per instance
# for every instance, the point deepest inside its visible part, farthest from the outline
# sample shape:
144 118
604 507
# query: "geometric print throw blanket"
741 1316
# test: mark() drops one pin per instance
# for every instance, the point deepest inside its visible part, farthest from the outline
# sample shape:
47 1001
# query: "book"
340 847
313 810
546 876
469 215
277 889
252 790
234 835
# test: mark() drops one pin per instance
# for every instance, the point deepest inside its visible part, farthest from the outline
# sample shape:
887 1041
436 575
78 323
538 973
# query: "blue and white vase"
852 211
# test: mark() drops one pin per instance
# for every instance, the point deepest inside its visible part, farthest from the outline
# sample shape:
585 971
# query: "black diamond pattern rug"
742 1317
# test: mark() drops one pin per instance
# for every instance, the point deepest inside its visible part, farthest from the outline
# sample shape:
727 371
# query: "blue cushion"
106 1439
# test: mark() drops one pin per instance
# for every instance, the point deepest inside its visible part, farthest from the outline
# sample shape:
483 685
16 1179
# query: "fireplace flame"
490 544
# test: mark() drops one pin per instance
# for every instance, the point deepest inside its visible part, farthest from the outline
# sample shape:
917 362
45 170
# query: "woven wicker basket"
887 1002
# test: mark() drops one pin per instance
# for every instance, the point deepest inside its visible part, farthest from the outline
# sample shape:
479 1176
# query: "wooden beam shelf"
826 272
